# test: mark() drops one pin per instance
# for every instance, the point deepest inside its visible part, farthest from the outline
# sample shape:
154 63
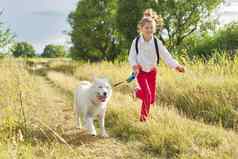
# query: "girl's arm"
132 59
169 60
132 55
166 56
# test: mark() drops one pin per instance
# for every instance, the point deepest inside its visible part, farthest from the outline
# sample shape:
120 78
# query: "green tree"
94 34
224 40
52 51
129 13
181 17
6 36
23 49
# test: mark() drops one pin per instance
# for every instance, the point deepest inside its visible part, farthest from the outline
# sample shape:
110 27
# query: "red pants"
147 91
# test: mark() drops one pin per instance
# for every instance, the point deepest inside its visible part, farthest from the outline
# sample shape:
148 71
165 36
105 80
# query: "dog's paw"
78 126
93 133
104 135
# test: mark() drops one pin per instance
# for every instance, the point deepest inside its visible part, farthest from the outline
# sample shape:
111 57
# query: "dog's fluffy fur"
91 100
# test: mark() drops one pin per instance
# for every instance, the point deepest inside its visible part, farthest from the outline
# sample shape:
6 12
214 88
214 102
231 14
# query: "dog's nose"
104 93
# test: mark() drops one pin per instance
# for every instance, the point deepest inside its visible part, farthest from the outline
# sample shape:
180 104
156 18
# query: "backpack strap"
137 41
156 48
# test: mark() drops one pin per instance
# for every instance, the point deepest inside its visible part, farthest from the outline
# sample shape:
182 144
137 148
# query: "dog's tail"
84 83
75 100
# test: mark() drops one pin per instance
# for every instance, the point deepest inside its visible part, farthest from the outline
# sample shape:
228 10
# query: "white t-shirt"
147 56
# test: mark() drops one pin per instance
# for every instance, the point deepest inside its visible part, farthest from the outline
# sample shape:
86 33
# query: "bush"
52 51
226 39
23 49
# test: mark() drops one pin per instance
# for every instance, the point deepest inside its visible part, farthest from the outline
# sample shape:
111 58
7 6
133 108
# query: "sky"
43 22
39 22
228 11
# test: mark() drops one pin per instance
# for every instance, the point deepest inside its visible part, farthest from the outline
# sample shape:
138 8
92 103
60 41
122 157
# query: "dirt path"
57 113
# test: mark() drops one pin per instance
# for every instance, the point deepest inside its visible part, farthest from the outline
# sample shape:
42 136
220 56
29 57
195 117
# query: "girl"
143 59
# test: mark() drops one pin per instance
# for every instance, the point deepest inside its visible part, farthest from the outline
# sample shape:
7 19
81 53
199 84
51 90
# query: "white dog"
91 100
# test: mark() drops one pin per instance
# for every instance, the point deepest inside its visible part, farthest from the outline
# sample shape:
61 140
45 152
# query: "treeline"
222 41
24 49
104 29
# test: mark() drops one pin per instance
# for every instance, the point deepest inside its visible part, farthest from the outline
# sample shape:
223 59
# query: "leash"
128 80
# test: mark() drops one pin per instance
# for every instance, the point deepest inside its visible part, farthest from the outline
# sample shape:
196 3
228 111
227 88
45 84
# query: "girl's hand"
136 69
180 68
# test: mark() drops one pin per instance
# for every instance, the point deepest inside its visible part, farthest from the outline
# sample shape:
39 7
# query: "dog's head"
102 89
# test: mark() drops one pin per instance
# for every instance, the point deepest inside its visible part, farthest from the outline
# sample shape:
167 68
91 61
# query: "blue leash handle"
128 80
131 77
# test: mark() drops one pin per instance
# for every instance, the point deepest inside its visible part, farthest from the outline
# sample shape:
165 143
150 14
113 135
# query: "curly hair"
150 16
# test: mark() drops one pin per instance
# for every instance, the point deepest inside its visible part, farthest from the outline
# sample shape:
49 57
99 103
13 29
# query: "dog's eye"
100 87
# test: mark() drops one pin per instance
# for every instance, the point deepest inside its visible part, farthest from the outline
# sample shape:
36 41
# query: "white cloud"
228 12
49 13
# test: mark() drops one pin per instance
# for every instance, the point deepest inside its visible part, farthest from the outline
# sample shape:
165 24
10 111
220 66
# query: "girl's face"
148 29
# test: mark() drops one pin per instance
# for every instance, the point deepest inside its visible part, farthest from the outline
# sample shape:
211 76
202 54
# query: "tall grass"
206 92
23 103
171 136
17 92
17 99
167 134
195 116
45 129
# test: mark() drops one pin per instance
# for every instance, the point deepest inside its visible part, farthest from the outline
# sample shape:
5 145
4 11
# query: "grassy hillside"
195 116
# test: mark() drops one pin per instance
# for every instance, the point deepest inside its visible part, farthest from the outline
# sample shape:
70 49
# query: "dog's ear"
93 77
109 80
106 79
